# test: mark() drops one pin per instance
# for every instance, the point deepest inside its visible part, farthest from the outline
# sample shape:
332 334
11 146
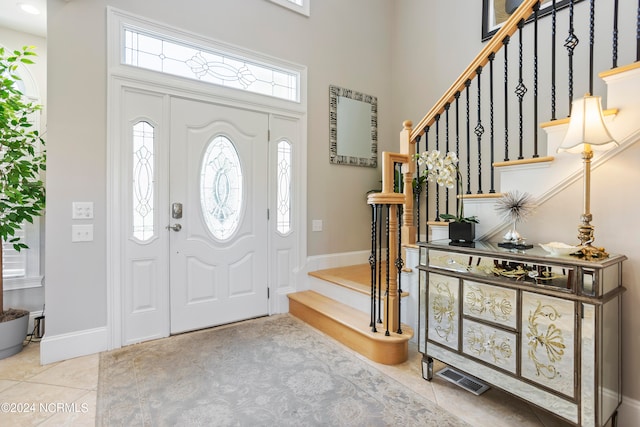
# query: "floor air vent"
468 383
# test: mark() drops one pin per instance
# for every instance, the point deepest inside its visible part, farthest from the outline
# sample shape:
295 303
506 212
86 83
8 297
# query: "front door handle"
174 227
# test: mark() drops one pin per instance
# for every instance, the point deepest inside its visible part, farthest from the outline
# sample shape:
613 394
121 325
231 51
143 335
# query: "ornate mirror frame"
353 127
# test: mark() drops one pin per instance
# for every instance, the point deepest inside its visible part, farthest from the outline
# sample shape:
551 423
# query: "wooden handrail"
493 46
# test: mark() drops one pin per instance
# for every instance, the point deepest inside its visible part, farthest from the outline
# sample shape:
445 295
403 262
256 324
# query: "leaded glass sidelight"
143 181
221 188
283 215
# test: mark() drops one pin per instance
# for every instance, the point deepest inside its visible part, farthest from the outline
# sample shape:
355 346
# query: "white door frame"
120 77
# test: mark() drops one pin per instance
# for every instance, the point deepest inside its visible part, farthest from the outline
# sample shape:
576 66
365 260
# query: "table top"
536 253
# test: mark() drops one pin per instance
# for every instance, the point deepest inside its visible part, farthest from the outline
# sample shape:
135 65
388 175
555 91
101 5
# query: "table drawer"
490 303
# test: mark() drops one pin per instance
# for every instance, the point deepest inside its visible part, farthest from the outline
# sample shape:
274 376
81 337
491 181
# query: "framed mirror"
353 128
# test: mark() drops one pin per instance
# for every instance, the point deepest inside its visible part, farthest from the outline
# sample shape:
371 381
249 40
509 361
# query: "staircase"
337 303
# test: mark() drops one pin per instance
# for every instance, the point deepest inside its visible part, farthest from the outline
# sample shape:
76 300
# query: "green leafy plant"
22 193
445 172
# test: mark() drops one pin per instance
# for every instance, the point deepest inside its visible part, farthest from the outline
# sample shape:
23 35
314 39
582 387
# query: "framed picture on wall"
496 12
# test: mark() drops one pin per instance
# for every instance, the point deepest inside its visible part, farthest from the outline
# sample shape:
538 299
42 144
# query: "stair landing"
350 327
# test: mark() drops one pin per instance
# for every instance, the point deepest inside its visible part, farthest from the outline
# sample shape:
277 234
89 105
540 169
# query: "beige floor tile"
5 384
82 415
23 365
34 403
81 372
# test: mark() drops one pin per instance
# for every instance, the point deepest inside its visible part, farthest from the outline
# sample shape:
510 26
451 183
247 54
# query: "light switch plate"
82 210
82 233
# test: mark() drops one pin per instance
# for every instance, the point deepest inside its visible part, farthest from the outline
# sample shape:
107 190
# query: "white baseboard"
67 346
629 412
320 262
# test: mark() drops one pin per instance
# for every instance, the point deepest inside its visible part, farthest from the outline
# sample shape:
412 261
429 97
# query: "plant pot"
12 335
462 232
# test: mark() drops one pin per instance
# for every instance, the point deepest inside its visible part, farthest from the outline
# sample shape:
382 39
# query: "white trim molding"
66 346
629 412
302 7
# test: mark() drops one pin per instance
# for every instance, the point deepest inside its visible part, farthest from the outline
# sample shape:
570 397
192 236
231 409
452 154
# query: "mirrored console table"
543 328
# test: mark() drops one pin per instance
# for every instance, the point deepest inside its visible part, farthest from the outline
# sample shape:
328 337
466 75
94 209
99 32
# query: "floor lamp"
587 133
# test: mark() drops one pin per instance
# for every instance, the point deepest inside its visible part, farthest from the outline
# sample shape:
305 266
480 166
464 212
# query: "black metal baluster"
553 60
386 295
467 84
437 148
535 80
505 42
399 266
426 183
418 190
491 123
479 129
570 44
520 91
638 33
379 312
446 139
372 264
614 56
457 96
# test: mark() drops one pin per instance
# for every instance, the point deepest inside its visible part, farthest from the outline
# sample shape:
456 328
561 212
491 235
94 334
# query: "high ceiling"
11 16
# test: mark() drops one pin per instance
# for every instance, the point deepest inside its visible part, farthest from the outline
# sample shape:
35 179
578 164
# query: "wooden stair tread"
354 277
348 316
350 327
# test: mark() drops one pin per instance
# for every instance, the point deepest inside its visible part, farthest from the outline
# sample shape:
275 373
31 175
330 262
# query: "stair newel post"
372 263
408 147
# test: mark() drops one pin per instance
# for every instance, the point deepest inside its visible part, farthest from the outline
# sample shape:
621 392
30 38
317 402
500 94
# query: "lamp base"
591 252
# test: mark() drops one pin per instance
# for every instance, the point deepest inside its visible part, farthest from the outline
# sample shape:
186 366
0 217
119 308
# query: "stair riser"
391 353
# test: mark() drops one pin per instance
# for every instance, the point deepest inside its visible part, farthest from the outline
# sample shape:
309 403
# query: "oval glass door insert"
221 188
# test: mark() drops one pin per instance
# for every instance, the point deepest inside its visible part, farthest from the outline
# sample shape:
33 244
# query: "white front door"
219 200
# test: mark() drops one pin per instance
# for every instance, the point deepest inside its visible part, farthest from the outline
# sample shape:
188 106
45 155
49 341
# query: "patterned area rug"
272 371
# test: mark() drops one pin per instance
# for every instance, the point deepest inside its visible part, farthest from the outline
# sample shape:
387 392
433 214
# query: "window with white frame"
21 269
300 6
180 58
283 211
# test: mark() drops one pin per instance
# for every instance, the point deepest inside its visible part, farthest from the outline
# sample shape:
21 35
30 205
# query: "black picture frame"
491 22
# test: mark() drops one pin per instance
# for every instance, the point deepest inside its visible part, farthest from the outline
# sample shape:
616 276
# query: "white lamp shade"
586 126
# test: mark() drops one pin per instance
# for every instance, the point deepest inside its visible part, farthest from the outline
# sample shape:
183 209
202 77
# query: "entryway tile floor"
64 394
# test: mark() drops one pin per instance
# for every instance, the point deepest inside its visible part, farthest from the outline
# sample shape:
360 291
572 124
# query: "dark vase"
462 231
